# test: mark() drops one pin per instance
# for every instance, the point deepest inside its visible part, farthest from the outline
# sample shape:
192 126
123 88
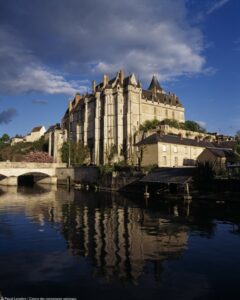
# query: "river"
94 245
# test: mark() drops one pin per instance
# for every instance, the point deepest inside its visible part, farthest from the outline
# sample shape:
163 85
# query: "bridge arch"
30 178
2 178
42 172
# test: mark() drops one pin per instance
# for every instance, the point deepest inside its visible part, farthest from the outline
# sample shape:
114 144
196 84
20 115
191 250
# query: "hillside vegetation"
19 151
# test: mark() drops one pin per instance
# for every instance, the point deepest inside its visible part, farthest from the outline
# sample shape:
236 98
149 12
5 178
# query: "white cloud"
202 123
22 72
95 37
217 5
37 78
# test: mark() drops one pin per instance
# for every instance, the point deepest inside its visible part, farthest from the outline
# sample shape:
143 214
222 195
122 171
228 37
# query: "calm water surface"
104 246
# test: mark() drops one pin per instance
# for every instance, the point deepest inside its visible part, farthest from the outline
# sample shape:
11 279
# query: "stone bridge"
42 172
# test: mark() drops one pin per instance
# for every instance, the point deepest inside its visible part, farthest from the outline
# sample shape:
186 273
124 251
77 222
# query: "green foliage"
193 126
5 138
237 134
236 147
149 124
39 145
171 123
110 152
188 125
16 152
105 169
78 153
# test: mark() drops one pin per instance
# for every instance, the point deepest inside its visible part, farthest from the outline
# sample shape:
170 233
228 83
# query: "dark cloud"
39 101
6 116
87 38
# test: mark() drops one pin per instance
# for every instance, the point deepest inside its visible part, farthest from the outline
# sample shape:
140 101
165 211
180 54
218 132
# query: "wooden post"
146 194
187 197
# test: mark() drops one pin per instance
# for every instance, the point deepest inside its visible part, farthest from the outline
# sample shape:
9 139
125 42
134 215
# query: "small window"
164 148
175 150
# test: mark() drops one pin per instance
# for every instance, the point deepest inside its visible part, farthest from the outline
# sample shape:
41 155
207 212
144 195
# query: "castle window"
175 150
164 148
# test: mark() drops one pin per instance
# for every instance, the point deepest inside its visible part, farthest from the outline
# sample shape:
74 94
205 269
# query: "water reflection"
117 236
72 243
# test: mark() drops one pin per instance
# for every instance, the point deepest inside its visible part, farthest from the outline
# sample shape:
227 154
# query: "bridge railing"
30 165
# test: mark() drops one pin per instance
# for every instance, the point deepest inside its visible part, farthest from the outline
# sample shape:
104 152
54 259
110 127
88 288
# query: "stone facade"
108 119
35 135
55 137
170 151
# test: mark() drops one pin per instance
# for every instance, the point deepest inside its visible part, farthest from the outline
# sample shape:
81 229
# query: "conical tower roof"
155 84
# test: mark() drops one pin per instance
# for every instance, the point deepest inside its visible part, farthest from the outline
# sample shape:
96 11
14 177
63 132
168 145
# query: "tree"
171 123
149 124
78 153
237 135
5 138
193 126
110 152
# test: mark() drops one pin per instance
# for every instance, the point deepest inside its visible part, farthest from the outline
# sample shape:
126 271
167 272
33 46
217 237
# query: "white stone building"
108 119
170 150
36 134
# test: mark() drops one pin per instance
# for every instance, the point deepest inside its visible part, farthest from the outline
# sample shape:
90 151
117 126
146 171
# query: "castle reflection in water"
119 239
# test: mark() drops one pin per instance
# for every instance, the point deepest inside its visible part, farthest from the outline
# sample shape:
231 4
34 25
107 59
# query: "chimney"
93 86
121 76
105 80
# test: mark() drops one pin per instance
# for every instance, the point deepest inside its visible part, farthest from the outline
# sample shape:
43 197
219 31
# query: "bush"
149 124
171 123
78 153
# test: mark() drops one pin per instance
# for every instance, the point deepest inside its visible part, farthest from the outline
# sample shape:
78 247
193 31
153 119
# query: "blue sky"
51 49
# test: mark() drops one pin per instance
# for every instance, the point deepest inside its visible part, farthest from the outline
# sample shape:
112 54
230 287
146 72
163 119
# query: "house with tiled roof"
220 158
36 133
170 150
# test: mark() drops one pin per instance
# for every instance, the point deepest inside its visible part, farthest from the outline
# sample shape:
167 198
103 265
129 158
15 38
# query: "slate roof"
36 129
229 154
52 127
173 139
155 84
220 152
179 175
162 98
225 144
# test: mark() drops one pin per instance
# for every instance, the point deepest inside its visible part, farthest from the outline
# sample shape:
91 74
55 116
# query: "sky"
51 49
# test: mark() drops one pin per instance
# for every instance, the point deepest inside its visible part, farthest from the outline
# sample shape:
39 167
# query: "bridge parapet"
30 165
